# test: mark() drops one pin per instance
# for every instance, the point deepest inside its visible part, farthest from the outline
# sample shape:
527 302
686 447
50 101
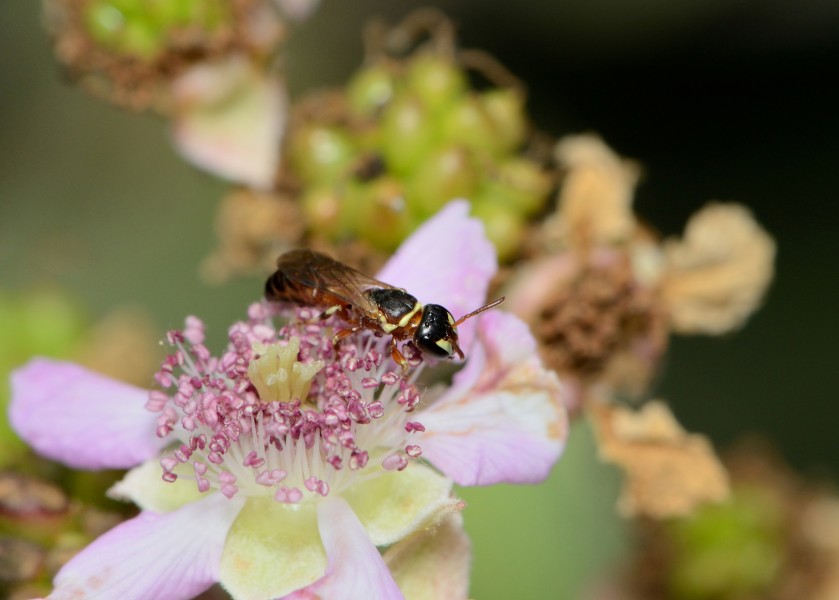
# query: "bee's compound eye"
435 333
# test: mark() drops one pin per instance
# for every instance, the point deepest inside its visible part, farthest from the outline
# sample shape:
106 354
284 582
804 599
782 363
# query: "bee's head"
437 334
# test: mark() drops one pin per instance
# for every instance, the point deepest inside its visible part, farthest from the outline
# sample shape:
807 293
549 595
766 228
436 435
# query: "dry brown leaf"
717 274
668 472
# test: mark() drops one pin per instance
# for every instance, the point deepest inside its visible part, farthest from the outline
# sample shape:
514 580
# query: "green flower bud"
518 184
384 219
443 175
321 154
369 90
504 227
407 133
468 124
730 550
505 107
141 38
104 22
436 80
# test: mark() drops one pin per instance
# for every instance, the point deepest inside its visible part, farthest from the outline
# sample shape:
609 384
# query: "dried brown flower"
668 472
595 315
595 202
718 273
602 291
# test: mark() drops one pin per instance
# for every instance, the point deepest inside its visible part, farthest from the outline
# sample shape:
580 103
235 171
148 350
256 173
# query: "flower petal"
447 261
356 569
81 418
433 563
169 556
144 486
272 550
229 119
395 504
503 418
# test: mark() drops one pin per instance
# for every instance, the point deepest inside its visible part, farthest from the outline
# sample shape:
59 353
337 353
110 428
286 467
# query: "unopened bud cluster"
409 136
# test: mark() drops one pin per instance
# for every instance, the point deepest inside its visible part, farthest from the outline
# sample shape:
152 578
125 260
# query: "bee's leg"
397 356
329 312
342 333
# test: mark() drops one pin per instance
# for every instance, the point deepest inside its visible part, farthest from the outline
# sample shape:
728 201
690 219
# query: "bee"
312 279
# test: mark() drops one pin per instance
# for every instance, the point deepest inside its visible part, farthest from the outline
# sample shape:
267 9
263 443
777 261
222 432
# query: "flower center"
278 376
282 412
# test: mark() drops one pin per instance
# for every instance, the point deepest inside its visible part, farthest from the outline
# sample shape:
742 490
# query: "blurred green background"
719 99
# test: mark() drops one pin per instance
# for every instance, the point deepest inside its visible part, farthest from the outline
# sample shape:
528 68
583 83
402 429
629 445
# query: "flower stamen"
283 412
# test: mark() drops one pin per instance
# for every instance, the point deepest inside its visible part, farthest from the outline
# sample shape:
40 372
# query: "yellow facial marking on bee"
445 345
451 320
388 327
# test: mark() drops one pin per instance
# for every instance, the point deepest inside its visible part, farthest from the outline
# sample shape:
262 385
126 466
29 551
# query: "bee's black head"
436 333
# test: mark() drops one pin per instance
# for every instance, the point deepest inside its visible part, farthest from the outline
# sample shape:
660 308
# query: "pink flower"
277 468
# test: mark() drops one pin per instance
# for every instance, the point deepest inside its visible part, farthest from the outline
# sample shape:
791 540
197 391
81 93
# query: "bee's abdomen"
281 288
276 287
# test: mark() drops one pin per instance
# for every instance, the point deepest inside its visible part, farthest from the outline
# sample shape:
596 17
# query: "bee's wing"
327 275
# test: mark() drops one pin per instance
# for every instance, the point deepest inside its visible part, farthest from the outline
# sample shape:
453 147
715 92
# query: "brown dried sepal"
595 200
253 228
718 272
668 472
139 83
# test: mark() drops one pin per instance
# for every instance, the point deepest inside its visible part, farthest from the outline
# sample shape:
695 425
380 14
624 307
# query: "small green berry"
504 227
519 184
730 550
505 107
467 123
369 90
443 176
436 80
140 38
384 219
407 134
321 154
104 22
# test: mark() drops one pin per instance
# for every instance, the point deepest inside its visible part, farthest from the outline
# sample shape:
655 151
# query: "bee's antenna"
478 311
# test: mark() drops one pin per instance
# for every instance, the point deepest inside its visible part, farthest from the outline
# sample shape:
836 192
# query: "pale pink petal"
433 563
503 420
229 119
447 261
171 556
80 418
356 569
